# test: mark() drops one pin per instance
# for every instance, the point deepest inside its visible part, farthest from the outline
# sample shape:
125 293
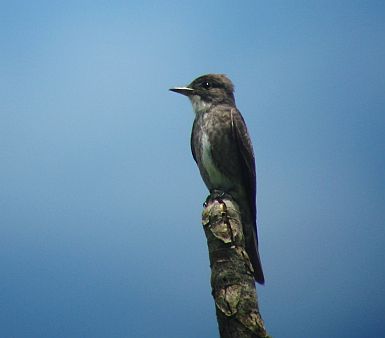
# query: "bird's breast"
212 174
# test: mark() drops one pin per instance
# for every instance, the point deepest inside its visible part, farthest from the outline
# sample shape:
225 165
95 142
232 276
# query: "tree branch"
232 281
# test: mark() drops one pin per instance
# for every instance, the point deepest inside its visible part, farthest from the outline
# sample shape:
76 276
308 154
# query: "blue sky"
100 199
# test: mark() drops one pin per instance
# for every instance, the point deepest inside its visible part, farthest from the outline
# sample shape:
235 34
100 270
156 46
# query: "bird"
222 148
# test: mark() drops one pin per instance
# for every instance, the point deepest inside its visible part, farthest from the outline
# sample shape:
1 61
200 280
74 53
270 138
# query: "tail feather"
251 242
252 251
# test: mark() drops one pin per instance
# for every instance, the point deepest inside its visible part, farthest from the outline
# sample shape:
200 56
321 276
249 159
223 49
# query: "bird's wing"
245 147
192 142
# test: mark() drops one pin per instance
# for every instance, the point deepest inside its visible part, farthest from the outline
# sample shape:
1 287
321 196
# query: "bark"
232 281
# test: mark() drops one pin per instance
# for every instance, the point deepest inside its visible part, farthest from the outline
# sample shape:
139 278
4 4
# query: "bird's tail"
252 251
251 244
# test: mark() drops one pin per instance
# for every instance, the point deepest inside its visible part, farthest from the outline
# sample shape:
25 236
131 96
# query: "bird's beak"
183 90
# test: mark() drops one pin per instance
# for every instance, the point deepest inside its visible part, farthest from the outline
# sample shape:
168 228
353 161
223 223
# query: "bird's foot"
215 194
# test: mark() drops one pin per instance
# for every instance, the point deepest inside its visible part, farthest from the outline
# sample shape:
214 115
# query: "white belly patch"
216 178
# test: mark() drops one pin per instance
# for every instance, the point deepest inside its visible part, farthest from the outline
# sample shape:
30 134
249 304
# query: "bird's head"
208 90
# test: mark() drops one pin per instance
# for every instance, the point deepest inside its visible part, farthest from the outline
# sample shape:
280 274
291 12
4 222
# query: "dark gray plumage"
222 149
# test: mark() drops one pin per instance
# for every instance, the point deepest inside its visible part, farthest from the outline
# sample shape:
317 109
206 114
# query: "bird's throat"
199 105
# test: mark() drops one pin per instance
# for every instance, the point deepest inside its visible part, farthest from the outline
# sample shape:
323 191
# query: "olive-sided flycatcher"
222 149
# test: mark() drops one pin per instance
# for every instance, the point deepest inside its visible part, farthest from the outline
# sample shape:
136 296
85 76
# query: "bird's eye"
206 85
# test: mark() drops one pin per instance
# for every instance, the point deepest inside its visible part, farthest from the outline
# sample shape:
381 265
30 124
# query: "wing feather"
245 148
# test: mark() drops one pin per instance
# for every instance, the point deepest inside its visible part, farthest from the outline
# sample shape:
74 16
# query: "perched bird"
222 149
